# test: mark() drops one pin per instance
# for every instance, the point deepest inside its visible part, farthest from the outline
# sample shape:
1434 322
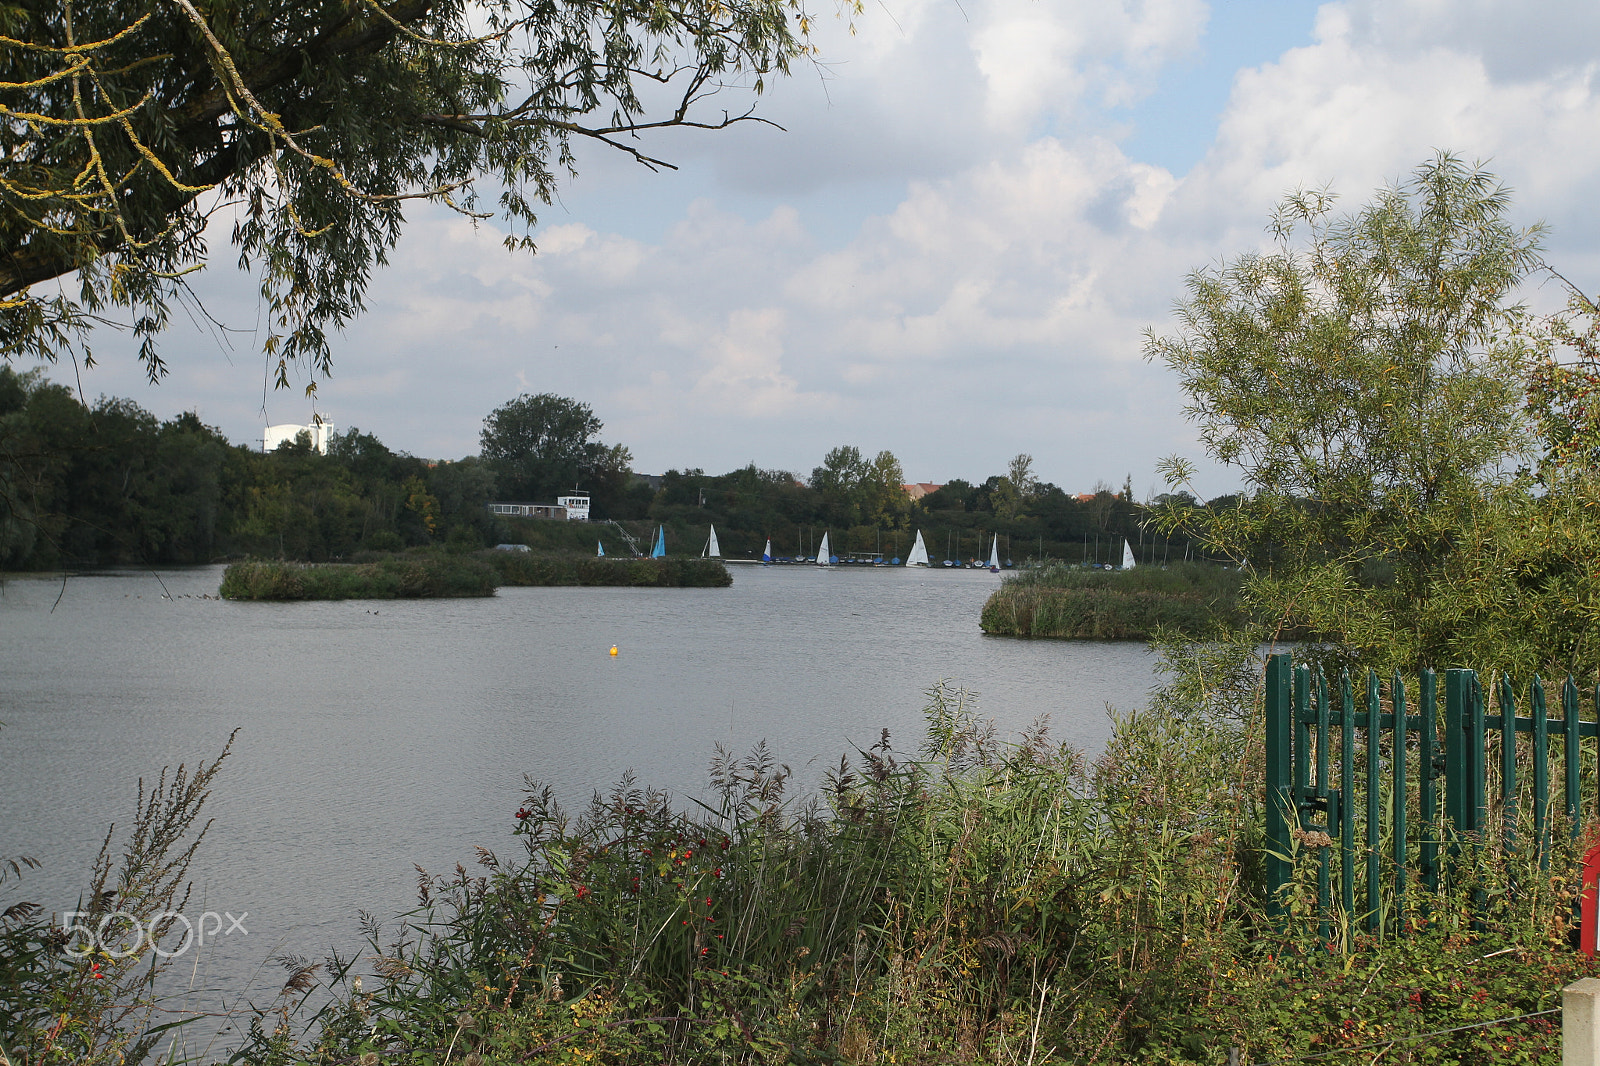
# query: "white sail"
919 552
822 551
994 553
713 549
766 553
1127 555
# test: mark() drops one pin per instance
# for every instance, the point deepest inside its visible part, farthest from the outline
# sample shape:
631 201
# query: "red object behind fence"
1588 925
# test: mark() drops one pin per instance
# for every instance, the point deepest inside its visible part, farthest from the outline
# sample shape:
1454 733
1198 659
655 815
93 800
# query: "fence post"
1427 783
1463 753
1279 713
1579 1013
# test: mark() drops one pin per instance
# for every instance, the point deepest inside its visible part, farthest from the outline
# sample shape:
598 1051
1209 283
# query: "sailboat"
713 549
660 549
600 549
994 555
766 553
1127 555
822 550
919 552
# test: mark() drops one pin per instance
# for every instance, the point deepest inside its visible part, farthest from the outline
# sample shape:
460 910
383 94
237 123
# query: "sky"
952 250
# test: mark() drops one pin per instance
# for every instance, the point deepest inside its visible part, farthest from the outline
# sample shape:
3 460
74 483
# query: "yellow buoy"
613 651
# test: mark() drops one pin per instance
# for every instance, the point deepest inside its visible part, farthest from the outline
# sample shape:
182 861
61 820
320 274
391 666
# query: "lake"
378 734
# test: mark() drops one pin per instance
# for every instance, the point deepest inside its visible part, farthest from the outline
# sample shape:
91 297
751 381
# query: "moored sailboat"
919 552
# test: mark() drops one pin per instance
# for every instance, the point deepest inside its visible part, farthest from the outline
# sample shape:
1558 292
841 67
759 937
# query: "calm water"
375 735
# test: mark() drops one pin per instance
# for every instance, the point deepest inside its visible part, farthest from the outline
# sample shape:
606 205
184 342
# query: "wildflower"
464 1020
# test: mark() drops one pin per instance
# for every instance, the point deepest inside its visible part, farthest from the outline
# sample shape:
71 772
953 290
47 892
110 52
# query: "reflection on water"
374 735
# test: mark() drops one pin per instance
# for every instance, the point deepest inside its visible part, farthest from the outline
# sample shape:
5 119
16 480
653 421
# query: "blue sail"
660 550
601 548
766 554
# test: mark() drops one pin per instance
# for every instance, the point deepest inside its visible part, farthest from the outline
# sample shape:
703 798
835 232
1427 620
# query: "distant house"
321 433
574 508
528 510
577 506
917 490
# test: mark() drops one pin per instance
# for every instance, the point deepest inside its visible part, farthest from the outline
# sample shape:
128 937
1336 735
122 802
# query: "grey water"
374 735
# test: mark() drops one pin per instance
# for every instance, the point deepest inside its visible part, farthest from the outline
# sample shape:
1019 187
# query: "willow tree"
1364 377
134 131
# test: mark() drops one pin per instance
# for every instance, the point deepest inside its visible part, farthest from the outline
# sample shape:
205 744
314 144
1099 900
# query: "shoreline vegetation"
443 576
980 900
1067 602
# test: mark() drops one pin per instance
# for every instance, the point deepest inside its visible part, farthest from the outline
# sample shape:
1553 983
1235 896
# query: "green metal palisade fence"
1315 730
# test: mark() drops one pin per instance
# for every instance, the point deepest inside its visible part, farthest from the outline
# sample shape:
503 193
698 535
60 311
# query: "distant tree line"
864 507
109 483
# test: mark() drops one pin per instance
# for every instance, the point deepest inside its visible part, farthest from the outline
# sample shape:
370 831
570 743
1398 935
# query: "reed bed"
1070 602
534 568
438 575
402 577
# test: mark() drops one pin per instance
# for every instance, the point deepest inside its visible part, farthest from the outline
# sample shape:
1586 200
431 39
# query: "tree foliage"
1368 379
128 127
539 446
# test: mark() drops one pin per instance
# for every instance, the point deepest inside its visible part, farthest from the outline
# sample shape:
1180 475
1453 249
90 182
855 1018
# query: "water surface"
378 734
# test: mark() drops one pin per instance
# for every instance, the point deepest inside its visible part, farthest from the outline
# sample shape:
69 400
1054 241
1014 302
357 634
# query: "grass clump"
401 577
1059 600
